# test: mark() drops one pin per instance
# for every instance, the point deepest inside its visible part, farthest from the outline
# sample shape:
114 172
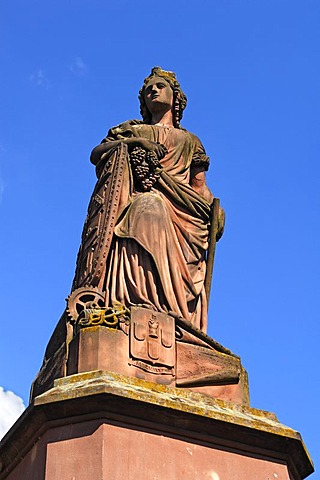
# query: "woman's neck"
164 119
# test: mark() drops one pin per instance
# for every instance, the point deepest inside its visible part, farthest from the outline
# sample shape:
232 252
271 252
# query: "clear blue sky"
250 68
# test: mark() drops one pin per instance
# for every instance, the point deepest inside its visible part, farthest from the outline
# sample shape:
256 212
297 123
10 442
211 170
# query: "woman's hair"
179 98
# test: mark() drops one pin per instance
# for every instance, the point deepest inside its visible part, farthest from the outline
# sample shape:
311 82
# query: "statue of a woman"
145 244
156 255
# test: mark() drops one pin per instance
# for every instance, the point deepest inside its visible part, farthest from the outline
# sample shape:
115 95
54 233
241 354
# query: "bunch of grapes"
144 164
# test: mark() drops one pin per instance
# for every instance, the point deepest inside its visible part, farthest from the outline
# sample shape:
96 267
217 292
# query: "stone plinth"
202 368
144 344
102 426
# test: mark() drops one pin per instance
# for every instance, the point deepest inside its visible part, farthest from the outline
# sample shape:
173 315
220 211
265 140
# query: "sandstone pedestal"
202 369
102 426
144 344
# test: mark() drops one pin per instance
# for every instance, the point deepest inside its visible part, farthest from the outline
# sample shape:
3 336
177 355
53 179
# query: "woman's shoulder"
194 137
123 129
127 124
200 157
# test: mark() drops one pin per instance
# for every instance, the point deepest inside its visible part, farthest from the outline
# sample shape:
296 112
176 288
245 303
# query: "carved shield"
152 337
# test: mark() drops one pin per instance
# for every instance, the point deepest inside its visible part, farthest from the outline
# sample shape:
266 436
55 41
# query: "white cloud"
40 79
78 67
11 407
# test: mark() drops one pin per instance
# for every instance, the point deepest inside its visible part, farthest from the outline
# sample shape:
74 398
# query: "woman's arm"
133 142
198 182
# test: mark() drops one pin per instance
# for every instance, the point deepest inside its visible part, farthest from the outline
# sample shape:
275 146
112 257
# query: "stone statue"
131 386
138 305
132 341
146 236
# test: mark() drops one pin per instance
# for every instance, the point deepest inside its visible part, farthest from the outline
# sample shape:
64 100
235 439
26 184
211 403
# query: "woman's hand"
159 149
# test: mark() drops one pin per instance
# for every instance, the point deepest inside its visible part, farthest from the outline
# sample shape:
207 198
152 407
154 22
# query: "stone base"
201 368
102 426
148 345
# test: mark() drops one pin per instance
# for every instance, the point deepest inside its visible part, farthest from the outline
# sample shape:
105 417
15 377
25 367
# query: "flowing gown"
157 257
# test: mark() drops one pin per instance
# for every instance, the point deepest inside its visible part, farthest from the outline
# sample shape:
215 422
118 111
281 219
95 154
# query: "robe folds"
158 253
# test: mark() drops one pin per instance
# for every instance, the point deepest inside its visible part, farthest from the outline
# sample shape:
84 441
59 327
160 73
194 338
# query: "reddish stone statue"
144 266
131 386
146 236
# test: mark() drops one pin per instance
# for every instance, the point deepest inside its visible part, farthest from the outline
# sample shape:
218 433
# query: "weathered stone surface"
104 426
131 386
55 357
151 215
200 368
145 262
193 359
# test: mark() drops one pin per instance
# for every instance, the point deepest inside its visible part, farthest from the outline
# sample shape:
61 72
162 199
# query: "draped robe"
157 256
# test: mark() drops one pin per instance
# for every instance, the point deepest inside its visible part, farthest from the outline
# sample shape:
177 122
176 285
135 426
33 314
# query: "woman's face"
158 95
